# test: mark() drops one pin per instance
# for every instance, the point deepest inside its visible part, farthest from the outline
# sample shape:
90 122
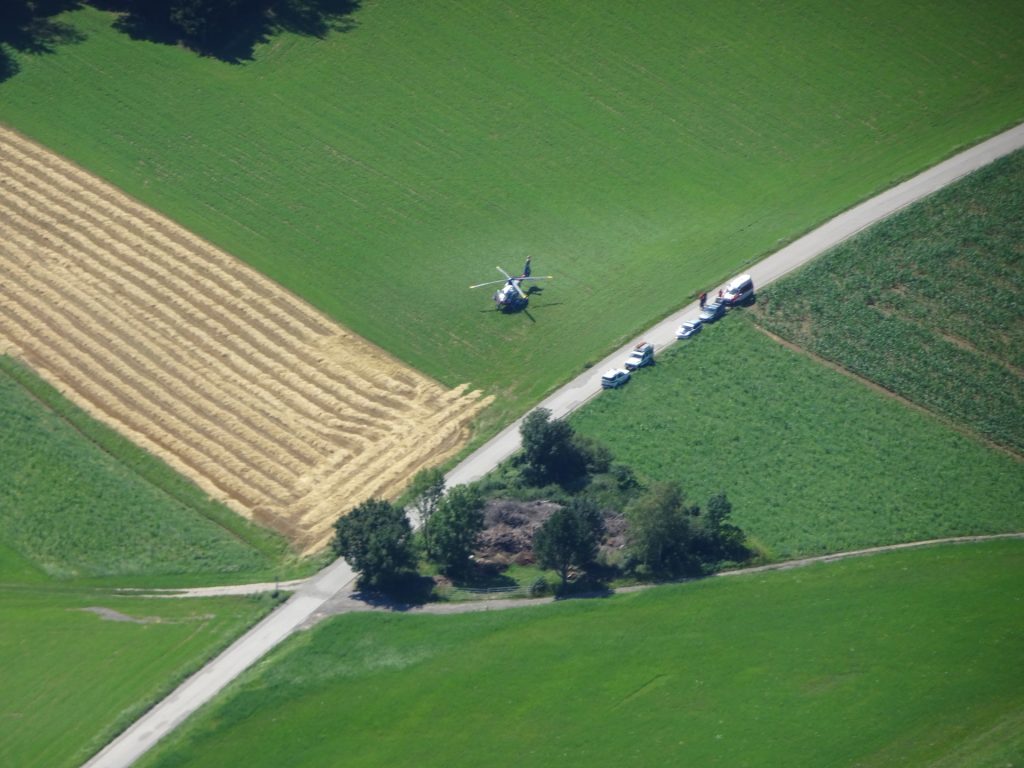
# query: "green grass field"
903 659
812 460
73 679
639 154
929 304
78 501
80 507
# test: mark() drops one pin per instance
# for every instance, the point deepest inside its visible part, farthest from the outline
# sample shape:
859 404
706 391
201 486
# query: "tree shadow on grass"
400 594
30 29
234 39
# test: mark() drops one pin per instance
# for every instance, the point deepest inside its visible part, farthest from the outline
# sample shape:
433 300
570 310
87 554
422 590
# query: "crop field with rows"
813 460
929 304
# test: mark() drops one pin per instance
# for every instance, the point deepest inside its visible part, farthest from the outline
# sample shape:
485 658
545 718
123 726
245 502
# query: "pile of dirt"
509 528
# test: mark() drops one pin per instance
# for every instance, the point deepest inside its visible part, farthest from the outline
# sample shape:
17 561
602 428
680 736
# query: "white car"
614 378
689 328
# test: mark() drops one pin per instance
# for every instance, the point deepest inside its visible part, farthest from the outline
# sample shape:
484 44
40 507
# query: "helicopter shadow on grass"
525 310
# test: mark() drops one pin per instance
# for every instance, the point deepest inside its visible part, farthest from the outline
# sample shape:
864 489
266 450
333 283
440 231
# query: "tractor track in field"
263 402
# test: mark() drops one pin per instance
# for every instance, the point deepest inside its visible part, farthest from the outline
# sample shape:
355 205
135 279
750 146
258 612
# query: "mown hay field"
639 154
267 405
909 659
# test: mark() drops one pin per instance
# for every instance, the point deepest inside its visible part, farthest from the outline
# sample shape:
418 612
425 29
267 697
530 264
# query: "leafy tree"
549 450
454 528
427 490
376 539
569 538
724 540
597 457
661 535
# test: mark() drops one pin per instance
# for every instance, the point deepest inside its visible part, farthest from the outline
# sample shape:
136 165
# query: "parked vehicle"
739 291
689 328
713 311
642 354
614 378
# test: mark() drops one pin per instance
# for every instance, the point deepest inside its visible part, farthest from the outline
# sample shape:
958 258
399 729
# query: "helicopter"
511 297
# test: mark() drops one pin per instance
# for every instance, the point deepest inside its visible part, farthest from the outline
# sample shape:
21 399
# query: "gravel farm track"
266 404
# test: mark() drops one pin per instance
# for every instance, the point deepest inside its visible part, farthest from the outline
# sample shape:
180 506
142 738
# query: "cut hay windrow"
266 404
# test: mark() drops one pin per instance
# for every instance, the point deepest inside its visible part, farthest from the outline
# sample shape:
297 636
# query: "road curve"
339 577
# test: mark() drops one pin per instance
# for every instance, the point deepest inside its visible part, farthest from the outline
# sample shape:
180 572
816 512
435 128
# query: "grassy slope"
932 303
812 460
71 679
100 507
638 153
902 659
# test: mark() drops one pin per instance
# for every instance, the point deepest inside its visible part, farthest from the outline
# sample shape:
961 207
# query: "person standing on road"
703 298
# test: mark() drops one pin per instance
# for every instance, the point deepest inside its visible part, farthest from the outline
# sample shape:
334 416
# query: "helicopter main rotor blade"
506 274
492 282
538 277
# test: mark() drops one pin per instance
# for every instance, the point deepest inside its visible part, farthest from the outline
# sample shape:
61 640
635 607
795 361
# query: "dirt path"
347 600
266 404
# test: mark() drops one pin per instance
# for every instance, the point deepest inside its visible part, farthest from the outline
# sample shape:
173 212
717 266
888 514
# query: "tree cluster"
376 537
669 538
665 535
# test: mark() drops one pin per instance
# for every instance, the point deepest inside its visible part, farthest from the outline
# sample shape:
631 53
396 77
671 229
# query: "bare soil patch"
109 614
510 525
265 403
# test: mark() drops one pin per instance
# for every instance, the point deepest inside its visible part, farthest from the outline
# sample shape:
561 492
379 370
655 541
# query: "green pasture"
929 304
638 152
900 659
100 507
812 460
72 679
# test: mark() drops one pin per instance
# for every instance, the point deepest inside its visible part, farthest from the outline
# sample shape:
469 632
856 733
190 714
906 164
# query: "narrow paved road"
336 581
